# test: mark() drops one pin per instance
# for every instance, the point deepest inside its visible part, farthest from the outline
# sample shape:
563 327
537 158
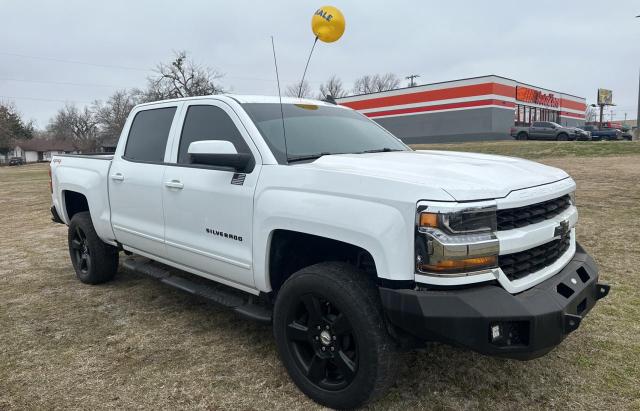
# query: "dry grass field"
135 343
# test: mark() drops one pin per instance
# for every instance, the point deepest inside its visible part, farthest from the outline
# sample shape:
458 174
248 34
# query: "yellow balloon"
328 24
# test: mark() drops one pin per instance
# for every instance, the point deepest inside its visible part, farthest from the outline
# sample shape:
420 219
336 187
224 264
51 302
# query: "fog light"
509 333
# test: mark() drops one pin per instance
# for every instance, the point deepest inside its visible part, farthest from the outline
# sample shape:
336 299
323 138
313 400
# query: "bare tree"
77 125
112 114
181 78
292 90
363 85
376 83
332 87
590 114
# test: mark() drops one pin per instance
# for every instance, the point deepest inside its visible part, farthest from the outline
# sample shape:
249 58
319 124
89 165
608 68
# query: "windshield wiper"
326 153
380 150
308 157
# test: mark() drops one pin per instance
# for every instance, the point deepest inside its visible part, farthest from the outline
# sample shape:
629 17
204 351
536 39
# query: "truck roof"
248 98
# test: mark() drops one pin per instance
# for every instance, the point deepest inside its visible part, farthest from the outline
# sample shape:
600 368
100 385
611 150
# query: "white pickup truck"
310 216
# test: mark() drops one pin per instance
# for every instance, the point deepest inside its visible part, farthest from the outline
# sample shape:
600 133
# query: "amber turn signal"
466 264
428 220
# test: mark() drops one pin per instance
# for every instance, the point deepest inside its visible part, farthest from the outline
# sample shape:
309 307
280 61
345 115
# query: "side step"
244 304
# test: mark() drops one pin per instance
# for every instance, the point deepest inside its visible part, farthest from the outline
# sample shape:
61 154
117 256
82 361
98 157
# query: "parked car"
349 243
598 134
542 130
580 134
16 161
627 134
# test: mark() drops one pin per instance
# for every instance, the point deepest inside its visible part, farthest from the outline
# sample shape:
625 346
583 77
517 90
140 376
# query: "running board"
244 304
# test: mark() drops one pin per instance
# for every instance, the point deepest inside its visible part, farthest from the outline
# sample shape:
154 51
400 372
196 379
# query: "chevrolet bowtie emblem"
562 230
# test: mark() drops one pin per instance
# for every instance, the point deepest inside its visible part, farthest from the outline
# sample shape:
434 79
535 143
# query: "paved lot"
135 343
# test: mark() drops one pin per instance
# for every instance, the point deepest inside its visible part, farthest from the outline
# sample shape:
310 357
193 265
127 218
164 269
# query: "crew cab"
543 130
598 133
313 218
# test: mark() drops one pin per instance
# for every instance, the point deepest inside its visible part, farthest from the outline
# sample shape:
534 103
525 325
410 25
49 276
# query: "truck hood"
464 176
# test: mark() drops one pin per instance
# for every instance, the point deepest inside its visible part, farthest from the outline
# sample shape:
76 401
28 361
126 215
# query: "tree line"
101 122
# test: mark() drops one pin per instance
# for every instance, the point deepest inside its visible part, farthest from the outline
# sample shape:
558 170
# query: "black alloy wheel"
94 261
332 335
322 342
81 251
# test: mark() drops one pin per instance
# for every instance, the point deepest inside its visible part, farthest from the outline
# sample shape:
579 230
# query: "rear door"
135 180
208 210
537 130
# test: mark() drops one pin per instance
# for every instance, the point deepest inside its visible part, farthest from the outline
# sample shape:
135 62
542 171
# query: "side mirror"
219 153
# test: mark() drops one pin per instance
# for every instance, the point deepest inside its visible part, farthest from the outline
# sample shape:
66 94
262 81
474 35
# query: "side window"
148 135
208 123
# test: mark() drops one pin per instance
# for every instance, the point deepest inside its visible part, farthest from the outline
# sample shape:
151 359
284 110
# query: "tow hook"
602 290
571 322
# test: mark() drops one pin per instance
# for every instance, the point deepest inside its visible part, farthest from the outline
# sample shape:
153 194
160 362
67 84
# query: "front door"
135 182
209 211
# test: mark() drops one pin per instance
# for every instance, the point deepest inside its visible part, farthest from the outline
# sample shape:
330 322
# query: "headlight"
466 221
456 243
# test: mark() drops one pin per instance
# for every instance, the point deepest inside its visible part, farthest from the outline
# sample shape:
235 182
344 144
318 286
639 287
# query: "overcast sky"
569 46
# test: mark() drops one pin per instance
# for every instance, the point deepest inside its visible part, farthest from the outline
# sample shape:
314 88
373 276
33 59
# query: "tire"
562 137
93 260
360 358
522 136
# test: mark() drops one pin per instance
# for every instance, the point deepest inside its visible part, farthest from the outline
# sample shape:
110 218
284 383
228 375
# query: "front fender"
384 230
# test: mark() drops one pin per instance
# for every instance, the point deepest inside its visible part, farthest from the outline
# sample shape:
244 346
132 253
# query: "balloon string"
305 67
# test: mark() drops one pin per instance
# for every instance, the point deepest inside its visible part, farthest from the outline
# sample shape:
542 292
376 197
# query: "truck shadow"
439 376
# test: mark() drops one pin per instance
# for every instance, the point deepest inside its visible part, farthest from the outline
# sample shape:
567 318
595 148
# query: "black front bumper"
528 324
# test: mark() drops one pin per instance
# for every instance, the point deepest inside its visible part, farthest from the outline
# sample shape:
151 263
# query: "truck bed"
96 156
79 175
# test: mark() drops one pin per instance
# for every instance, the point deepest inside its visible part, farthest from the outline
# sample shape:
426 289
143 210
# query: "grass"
134 343
542 149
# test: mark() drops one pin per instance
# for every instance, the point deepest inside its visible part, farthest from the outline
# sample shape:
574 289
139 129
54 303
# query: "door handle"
117 177
174 184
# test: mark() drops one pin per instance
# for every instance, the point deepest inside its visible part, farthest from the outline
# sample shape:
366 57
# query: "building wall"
481 108
451 126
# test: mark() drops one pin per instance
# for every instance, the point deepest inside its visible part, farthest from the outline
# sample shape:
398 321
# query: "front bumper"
528 324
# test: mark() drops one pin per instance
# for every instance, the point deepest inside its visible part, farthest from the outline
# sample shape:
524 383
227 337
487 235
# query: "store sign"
605 97
529 95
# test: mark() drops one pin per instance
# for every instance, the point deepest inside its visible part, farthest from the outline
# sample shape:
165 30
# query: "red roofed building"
479 108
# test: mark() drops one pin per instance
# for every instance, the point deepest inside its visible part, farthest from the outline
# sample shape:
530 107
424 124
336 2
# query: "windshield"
316 130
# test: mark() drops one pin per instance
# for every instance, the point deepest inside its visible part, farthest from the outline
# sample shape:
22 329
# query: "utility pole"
411 78
601 114
638 115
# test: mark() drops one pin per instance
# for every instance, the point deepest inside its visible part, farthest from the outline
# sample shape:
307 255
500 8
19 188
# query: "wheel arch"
289 251
73 202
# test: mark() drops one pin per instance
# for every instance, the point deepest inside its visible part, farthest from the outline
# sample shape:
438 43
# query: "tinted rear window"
148 135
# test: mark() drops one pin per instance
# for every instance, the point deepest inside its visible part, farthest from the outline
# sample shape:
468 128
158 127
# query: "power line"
86 63
45 99
72 61
64 83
